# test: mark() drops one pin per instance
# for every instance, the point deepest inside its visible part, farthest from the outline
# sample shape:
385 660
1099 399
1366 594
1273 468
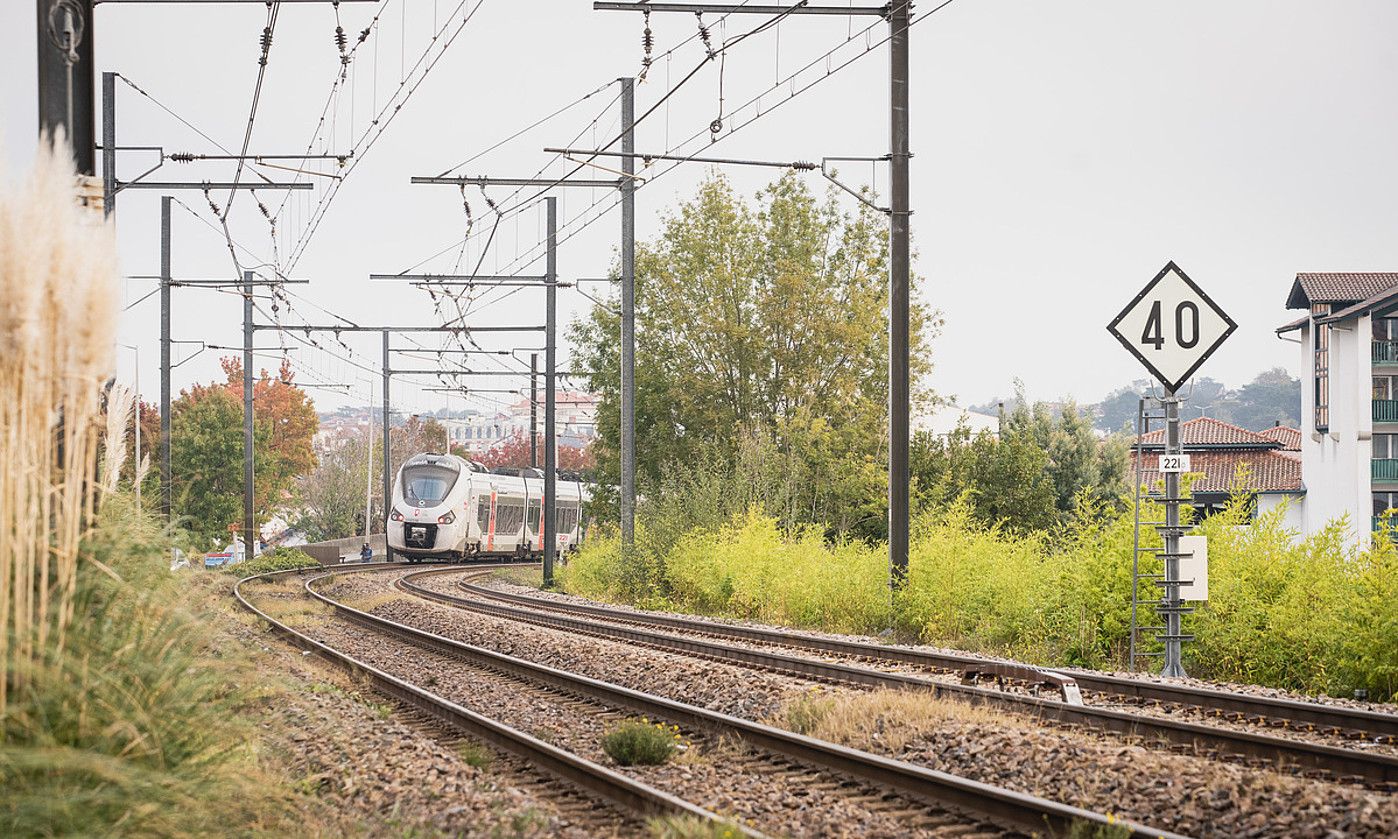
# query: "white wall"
1335 465
1294 517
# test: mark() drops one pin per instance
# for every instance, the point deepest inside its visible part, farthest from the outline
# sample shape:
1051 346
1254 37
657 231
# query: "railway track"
972 807
631 796
1379 771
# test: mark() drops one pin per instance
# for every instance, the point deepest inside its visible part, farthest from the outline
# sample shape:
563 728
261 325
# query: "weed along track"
1341 743
766 779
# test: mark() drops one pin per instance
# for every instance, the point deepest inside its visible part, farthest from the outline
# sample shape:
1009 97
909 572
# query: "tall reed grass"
57 317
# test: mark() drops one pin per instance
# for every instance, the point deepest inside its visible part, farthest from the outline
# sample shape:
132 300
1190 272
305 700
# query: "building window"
1383 502
1383 387
1322 368
1385 446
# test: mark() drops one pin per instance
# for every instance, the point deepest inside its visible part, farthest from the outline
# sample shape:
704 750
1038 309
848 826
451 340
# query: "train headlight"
446 518
395 515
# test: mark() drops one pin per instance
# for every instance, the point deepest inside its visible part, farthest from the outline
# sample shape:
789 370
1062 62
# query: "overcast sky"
1064 151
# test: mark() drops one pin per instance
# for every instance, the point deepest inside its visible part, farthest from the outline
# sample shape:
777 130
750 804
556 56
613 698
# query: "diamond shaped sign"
1172 326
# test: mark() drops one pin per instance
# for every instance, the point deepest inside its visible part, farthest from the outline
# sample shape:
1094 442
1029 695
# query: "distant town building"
1349 396
1218 451
944 419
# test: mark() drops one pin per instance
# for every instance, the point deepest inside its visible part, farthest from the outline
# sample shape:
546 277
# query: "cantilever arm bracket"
859 196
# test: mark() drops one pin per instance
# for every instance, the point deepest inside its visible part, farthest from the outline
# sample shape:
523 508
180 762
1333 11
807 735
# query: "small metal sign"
1174 463
1194 568
1172 326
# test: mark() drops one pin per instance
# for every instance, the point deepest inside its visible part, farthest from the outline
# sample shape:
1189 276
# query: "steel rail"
1372 723
1372 768
627 792
997 805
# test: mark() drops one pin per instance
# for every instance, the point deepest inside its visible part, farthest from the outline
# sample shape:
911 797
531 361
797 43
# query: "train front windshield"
427 486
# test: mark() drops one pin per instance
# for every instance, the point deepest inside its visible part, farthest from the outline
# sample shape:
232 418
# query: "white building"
1349 396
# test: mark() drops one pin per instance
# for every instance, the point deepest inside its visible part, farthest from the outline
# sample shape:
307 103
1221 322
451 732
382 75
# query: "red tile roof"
1338 287
1290 438
1207 431
1268 471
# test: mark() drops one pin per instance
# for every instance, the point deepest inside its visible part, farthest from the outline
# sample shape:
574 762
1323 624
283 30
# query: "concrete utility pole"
899 275
387 451
249 526
534 410
166 488
898 13
628 313
550 371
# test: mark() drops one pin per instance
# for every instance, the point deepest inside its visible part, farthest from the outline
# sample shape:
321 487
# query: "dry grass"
370 602
57 320
889 719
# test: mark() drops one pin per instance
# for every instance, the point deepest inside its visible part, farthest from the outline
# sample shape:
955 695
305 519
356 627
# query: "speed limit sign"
1172 326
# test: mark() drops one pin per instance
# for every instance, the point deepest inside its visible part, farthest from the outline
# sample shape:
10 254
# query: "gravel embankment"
448 585
373 775
759 791
1099 772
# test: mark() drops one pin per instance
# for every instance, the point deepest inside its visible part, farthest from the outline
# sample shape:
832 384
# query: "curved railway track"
1376 770
974 807
630 795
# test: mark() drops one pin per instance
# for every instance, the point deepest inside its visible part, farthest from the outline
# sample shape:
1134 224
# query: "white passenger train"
444 506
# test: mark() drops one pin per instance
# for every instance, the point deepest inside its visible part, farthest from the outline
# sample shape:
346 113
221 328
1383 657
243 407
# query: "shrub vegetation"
640 743
1304 614
276 559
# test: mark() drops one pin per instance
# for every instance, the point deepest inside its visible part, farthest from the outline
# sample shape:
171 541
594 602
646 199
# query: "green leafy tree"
206 450
333 494
206 457
762 318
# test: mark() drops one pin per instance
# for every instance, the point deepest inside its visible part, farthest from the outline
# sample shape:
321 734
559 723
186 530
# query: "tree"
333 494
206 454
764 318
289 416
513 451
1272 397
206 450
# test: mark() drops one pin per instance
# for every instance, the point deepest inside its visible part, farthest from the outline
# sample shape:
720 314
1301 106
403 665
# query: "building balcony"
1384 469
1384 352
1378 523
1386 410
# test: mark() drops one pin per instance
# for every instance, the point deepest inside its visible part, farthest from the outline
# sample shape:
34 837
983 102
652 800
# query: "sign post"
1172 327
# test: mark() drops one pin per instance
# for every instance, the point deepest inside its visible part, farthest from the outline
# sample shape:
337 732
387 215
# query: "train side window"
535 510
483 513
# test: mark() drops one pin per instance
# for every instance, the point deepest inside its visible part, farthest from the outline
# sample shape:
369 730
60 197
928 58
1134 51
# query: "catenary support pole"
166 489
899 281
550 446
1170 596
387 454
534 410
628 314
369 471
109 144
249 527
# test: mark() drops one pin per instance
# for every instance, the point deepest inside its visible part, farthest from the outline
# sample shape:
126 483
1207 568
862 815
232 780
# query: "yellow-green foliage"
1301 614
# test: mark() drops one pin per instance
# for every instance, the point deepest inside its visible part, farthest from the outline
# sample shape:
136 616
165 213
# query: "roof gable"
1289 438
1207 432
1214 471
1338 287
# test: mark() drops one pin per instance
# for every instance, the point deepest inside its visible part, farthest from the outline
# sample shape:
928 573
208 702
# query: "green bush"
1302 614
277 559
640 743
135 729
